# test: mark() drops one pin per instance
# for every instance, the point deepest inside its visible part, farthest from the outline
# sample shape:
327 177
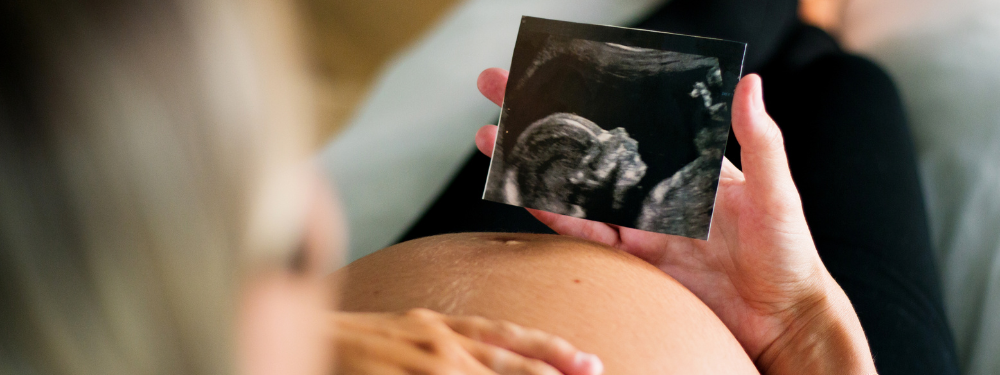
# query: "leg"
853 162
762 24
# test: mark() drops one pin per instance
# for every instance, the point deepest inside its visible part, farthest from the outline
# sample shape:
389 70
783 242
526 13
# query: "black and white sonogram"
617 125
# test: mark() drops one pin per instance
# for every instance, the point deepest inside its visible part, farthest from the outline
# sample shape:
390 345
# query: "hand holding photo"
617 125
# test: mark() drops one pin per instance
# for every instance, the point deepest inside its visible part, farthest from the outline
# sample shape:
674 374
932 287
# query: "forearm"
825 338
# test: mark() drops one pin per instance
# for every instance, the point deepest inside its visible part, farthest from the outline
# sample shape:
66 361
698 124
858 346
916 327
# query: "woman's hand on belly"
421 341
759 271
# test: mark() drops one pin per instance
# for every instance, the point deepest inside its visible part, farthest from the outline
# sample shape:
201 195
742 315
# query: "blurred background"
400 108
353 39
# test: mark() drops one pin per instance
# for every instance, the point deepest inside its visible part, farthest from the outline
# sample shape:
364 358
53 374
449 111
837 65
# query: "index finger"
493 83
729 171
581 228
528 342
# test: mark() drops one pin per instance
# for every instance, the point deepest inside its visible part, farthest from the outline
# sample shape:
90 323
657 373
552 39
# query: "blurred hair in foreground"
151 160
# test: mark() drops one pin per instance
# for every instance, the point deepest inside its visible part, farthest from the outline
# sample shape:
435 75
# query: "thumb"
765 166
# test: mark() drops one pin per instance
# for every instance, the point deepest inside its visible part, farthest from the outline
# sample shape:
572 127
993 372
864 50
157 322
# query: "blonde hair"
140 142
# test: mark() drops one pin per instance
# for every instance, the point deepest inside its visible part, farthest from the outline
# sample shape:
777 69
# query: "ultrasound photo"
617 125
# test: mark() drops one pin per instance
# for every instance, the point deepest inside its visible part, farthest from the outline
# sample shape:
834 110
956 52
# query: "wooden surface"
351 40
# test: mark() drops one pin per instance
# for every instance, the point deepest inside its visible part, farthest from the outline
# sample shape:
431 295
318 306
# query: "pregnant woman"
755 297
851 159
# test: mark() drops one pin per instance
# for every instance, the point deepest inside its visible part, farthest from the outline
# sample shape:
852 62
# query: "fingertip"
588 364
483 80
492 83
755 130
765 164
752 90
747 104
486 139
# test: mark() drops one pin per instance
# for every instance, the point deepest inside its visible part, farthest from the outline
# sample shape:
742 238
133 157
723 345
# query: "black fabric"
762 24
852 159
461 208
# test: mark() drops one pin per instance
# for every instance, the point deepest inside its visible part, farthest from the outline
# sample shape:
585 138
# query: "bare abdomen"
604 301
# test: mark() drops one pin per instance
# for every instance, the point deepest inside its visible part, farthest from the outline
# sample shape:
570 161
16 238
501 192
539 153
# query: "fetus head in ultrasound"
565 164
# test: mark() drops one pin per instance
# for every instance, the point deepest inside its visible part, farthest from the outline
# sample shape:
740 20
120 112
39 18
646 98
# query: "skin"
759 271
759 274
422 341
632 315
282 307
288 325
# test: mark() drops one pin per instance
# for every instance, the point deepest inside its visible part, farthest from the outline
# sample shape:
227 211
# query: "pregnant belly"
637 319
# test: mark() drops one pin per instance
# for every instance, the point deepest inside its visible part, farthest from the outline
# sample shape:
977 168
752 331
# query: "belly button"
506 241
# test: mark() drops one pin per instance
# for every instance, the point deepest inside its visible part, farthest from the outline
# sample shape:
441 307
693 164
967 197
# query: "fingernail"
588 364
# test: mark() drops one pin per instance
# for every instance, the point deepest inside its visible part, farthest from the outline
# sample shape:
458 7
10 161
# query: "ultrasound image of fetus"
579 102
566 164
